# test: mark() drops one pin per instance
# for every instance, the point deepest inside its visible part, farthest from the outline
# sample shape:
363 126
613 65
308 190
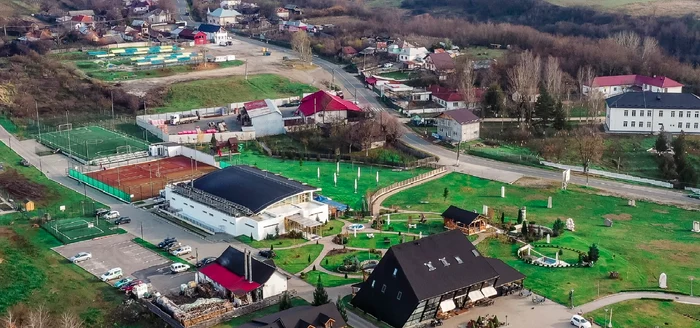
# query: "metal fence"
99 185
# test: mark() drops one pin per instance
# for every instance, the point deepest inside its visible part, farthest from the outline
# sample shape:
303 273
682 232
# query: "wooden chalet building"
434 277
467 221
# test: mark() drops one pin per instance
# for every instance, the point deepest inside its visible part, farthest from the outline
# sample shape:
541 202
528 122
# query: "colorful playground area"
145 180
144 56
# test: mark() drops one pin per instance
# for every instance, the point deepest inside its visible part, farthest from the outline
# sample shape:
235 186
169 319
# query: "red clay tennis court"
145 180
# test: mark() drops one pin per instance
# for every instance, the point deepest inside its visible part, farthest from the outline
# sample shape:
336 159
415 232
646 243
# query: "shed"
29 206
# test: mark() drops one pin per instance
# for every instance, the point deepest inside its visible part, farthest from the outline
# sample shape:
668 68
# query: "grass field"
190 95
649 313
362 241
238 321
296 259
82 228
645 240
344 192
332 262
428 228
328 280
265 244
92 142
481 53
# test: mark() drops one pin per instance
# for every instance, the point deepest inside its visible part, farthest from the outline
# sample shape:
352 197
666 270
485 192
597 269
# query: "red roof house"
81 19
322 101
613 85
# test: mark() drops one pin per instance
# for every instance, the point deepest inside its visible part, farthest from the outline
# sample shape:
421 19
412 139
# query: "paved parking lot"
136 261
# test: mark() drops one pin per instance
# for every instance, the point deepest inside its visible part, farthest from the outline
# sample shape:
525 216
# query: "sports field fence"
99 185
93 142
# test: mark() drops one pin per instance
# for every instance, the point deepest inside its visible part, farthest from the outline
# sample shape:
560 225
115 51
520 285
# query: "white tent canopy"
489 291
475 295
447 305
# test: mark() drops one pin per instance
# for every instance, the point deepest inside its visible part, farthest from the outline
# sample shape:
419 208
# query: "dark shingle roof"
209 28
300 316
506 274
233 260
249 186
654 100
462 116
442 61
460 215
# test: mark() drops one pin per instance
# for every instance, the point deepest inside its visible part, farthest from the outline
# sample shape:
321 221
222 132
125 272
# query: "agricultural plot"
90 142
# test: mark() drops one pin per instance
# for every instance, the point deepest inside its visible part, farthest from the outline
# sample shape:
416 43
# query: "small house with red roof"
610 86
348 52
441 63
453 99
82 21
325 107
241 278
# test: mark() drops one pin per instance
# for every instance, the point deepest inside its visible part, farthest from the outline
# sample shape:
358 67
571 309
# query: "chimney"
250 268
245 264
658 97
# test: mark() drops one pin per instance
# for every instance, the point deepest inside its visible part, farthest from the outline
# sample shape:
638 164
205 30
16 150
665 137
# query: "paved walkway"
625 296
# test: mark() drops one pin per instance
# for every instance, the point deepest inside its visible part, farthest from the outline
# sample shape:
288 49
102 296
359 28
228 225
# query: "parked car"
123 282
268 254
101 211
25 163
82 256
182 250
131 287
580 322
122 220
205 261
111 215
130 283
179 267
172 247
115 273
167 242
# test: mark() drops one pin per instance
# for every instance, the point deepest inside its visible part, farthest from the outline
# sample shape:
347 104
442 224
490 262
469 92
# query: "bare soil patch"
618 217
535 183
679 252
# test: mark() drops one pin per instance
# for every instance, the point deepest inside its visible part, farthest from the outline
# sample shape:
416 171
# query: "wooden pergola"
306 225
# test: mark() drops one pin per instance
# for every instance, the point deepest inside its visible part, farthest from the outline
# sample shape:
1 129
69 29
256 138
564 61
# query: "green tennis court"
90 142
77 229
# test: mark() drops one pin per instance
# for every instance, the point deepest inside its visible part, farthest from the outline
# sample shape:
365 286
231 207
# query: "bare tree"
584 77
9 321
650 46
391 128
39 317
553 75
627 39
70 320
524 77
596 103
301 44
589 144
464 71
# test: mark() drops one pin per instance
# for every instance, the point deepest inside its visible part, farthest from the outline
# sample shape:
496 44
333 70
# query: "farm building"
325 107
434 277
264 116
467 221
609 86
243 200
239 277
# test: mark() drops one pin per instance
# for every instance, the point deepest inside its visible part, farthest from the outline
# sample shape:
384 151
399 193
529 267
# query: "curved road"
626 296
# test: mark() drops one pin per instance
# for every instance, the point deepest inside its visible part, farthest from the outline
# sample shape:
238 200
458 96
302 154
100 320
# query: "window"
395 272
444 262
476 253
430 266
687 125
648 124
641 124
687 114
398 296
192 206
641 113
614 88
680 125
626 113
661 113
673 113
633 123
624 123
383 288
634 113
454 104
649 113
695 125
697 114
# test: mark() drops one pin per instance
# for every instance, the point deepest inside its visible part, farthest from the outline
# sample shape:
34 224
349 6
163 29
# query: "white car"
111 215
580 322
115 273
181 250
82 256
179 267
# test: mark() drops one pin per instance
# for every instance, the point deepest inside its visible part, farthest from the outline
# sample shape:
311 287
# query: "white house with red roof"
325 107
241 278
614 85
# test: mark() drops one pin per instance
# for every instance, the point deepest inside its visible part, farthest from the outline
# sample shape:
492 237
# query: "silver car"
80 257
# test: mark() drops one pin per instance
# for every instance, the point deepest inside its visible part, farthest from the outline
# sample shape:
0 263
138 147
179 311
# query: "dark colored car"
122 220
167 242
205 261
101 211
268 254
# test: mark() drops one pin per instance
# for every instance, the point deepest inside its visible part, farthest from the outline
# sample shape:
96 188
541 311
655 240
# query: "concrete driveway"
136 261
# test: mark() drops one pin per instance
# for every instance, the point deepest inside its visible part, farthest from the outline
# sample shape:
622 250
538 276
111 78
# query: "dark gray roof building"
324 316
654 100
461 116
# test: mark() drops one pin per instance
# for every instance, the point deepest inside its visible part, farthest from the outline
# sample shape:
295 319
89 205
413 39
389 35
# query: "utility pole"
37 119
246 69
111 93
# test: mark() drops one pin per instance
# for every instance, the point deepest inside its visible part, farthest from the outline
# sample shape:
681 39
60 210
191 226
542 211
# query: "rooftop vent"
444 262
459 260
658 97
430 266
476 253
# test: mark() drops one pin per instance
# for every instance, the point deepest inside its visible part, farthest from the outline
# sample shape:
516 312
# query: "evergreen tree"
560 122
593 253
320 294
524 230
445 193
309 258
661 143
341 309
558 227
503 218
213 141
493 100
544 107
285 301
520 216
688 177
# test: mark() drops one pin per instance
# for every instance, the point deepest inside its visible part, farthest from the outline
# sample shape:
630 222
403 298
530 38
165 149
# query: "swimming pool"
547 260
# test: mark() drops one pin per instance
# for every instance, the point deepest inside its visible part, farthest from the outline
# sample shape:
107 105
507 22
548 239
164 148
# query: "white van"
115 273
111 215
580 322
181 251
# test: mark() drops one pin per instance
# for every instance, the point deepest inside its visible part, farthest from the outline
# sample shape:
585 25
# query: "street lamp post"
571 298
606 318
610 321
691 286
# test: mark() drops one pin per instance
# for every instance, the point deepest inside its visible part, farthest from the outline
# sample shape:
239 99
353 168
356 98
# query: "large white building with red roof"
325 107
610 86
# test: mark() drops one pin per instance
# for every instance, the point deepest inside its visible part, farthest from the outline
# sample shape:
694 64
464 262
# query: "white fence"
404 183
609 174
199 156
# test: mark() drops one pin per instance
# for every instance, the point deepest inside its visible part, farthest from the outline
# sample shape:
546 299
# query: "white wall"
277 284
615 119
449 105
198 156
453 131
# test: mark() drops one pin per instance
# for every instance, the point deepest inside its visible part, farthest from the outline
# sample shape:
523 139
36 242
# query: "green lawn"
332 262
504 152
276 243
328 280
333 227
645 240
112 75
649 313
238 321
296 259
344 192
221 91
377 242
481 53
428 228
